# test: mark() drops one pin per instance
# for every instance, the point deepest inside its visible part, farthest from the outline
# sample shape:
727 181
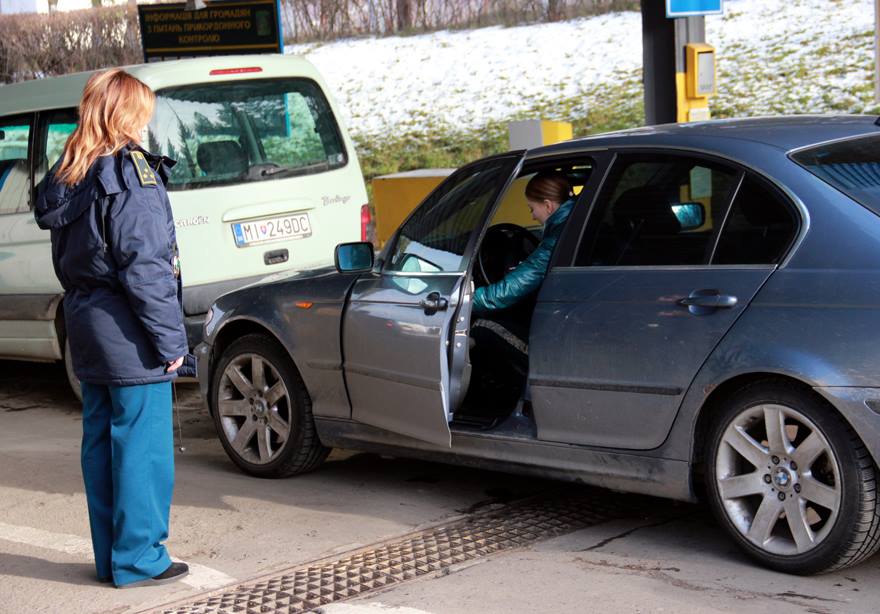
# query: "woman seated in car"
550 200
498 330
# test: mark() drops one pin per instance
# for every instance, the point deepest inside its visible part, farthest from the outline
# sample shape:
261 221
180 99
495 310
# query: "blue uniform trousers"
128 470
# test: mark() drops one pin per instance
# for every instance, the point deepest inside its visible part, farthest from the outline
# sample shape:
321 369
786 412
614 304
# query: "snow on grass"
794 56
467 78
774 56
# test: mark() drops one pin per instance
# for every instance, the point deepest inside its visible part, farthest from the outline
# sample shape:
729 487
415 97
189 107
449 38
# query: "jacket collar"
559 216
108 173
108 169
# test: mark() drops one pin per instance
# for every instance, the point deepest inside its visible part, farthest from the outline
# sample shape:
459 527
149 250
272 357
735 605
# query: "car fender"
304 316
762 345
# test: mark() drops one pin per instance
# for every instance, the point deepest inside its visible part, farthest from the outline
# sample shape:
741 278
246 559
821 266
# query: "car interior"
496 389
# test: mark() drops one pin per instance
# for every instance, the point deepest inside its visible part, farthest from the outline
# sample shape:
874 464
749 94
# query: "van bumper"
195 329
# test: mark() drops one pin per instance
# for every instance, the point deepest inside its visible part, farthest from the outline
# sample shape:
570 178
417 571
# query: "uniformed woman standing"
115 253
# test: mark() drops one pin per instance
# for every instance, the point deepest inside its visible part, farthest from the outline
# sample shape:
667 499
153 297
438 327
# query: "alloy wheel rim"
254 408
778 479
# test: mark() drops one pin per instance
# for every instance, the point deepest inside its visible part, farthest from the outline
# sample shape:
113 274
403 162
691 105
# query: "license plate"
272 229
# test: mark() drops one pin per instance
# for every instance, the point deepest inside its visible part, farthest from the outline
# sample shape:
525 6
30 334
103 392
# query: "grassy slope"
610 108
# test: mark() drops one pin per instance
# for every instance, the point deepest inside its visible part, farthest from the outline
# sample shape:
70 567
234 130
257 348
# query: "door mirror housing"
354 257
690 215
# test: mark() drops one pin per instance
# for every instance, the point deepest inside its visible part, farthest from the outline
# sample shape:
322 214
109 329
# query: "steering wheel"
503 248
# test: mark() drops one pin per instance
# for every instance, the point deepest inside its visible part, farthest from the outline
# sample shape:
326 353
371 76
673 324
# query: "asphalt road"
657 556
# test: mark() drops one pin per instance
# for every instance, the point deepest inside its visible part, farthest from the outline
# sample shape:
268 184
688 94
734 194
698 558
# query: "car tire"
816 471
265 422
72 379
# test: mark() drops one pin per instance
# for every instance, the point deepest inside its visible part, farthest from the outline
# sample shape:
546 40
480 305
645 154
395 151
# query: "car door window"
436 237
55 127
658 209
759 229
14 166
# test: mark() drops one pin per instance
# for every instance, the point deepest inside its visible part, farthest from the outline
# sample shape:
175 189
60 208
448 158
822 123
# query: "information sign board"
169 31
691 8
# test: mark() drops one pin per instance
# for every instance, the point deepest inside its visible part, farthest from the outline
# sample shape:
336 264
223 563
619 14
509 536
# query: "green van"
267 179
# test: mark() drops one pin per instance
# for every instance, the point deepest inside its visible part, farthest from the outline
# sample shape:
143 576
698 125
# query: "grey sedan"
707 328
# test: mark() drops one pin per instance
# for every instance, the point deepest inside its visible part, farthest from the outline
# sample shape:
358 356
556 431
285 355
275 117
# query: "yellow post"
555 132
697 84
531 133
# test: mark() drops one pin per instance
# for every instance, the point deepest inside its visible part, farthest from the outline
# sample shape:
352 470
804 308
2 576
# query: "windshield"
851 166
240 131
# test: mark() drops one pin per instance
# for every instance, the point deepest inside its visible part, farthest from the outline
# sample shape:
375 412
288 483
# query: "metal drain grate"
305 588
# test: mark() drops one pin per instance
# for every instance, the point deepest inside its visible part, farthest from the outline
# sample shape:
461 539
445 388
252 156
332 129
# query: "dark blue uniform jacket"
114 250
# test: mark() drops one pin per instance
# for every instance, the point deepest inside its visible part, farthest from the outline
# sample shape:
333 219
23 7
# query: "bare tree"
404 15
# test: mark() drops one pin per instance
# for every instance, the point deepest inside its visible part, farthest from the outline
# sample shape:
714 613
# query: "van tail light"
366 222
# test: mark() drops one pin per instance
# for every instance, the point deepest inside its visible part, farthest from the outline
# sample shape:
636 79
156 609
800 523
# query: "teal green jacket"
526 278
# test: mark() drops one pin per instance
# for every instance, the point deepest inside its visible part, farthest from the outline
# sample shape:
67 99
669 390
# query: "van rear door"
265 179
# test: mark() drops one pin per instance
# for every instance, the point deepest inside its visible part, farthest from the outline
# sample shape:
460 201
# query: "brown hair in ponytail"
549 185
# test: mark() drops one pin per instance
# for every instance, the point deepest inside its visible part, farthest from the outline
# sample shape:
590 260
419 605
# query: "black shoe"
106 580
175 572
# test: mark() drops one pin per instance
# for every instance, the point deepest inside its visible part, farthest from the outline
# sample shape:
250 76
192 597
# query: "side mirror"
354 257
690 215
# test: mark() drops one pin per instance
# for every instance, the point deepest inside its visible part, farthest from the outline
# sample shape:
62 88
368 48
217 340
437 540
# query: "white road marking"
204 578
367 608
200 577
59 542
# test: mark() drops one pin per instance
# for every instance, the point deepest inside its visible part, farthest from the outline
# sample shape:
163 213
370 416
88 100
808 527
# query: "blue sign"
691 8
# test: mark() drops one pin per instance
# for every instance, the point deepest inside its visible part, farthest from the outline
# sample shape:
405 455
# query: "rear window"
851 166
241 131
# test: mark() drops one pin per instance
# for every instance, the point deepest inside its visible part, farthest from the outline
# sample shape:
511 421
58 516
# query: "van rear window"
852 166
241 131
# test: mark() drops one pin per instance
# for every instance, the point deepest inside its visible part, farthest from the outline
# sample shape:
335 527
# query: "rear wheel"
791 481
262 410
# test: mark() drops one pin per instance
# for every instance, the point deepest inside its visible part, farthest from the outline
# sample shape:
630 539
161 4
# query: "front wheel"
262 411
791 481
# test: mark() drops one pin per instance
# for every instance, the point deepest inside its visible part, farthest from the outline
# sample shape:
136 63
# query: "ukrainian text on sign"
247 26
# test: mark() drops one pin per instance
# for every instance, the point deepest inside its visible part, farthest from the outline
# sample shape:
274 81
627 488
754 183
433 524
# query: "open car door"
398 329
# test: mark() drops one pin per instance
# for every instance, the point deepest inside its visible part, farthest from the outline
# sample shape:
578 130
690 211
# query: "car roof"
784 133
65 91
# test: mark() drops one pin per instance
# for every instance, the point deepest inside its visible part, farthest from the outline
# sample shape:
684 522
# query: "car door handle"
719 301
434 303
704 301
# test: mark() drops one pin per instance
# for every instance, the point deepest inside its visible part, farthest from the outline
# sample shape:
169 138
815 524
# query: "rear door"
400 331
618 337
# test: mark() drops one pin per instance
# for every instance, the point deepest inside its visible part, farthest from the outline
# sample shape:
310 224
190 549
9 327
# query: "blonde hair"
114 109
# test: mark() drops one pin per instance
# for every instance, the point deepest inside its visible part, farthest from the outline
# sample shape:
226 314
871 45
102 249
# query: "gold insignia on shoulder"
145 174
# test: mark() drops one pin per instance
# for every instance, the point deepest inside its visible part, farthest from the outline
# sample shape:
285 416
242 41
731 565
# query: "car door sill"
623 470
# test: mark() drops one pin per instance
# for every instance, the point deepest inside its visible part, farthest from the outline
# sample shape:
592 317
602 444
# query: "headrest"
649 209
221 158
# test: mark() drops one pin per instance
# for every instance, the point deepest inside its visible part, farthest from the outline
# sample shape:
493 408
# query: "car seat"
646 228
222 158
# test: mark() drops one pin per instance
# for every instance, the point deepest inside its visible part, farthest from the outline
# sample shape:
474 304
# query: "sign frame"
674 14
223 27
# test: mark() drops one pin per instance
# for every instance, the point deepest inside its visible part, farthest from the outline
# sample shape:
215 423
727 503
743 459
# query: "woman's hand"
174 365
